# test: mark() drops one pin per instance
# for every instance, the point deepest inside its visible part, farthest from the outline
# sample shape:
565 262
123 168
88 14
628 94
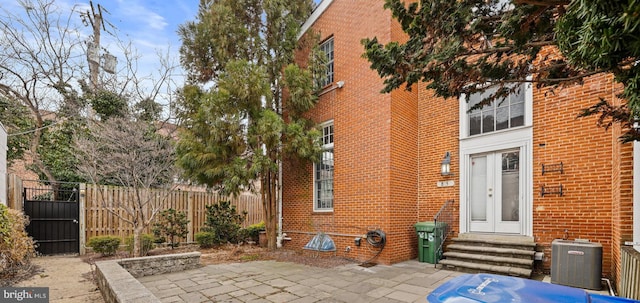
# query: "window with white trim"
323 173
503 113
327 48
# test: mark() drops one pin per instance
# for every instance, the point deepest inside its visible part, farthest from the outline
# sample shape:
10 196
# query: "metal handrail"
445 215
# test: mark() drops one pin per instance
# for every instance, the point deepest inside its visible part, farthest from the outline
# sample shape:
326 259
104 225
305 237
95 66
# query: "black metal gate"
53 212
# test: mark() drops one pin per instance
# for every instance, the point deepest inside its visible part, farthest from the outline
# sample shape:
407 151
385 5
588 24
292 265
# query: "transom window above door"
503 113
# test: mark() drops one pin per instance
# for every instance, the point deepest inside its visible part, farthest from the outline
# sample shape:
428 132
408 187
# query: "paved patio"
270 281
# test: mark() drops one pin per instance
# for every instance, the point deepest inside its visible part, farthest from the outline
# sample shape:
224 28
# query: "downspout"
279 185
636 195
279 194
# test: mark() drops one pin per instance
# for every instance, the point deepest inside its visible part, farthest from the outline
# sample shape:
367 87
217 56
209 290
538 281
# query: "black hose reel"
376 238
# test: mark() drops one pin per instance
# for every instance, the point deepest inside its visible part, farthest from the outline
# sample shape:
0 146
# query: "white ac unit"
576 263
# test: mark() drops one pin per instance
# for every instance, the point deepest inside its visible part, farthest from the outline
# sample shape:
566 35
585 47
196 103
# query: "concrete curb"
117 278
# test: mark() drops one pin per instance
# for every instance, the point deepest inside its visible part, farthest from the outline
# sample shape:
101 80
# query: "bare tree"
130 154
43 66
40 55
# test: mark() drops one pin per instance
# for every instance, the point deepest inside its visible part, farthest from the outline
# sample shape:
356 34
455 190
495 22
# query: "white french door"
495 192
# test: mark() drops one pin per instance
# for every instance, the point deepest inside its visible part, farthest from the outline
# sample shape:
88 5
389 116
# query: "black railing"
38 190
442 222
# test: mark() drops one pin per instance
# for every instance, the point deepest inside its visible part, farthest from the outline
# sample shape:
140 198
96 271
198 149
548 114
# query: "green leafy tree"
458 47
147 110
108 104
17 121
240 58
172 224
57 150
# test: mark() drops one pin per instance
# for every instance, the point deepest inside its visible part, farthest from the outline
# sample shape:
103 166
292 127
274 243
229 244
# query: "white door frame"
520 138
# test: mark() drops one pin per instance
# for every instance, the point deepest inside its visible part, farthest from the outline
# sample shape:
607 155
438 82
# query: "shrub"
252 232
223 219
147 244
16 247
106 245
171 224
206 239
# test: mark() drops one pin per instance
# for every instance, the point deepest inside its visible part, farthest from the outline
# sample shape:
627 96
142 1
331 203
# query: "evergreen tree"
237 124
461 46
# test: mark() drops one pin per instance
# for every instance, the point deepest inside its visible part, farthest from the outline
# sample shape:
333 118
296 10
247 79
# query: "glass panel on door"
494 189
510 186
478 188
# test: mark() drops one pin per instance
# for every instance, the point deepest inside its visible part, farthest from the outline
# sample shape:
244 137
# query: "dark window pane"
487 122
473 100
474 124
502 118
517 114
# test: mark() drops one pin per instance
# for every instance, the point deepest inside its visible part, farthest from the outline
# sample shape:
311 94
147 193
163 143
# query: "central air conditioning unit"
576 263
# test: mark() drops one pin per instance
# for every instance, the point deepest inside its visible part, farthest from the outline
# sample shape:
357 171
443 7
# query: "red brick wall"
585 209
622 193
404 169
374 143
388 150
438 133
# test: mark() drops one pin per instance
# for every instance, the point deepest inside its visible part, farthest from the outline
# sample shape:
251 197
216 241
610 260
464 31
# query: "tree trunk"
137 240
270 207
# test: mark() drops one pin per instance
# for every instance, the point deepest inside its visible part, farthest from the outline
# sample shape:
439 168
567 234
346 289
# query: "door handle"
75 221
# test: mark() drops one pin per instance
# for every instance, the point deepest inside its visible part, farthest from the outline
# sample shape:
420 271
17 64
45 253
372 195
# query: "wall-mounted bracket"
551 190
548 168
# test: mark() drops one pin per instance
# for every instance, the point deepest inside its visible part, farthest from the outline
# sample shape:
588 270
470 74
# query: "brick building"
526 170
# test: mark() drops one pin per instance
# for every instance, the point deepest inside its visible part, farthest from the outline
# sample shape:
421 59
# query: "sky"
150 25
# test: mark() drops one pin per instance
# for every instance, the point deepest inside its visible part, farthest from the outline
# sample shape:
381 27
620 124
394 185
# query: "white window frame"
330 59
464 115
325 146
520 137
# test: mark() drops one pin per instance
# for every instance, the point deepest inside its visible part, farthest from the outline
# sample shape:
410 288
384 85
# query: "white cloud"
136 12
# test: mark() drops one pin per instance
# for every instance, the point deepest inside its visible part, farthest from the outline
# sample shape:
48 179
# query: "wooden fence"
14 192
629 286
101 203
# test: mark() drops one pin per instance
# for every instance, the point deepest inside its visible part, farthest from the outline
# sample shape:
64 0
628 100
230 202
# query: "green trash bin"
429 239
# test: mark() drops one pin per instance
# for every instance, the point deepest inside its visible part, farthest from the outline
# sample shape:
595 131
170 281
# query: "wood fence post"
15 190
82 218
191 215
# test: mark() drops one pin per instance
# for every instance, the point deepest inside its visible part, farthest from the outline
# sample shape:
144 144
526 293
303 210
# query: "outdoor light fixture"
445 167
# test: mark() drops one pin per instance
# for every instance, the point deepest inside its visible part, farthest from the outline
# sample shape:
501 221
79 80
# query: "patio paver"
271 281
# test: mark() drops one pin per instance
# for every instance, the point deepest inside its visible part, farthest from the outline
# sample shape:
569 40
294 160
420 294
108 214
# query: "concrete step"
492 251
485 268
517 243
488 259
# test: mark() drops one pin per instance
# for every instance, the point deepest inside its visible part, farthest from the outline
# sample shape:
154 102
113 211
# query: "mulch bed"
229 253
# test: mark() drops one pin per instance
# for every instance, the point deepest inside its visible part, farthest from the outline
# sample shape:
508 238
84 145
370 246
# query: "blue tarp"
488 288
321 242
